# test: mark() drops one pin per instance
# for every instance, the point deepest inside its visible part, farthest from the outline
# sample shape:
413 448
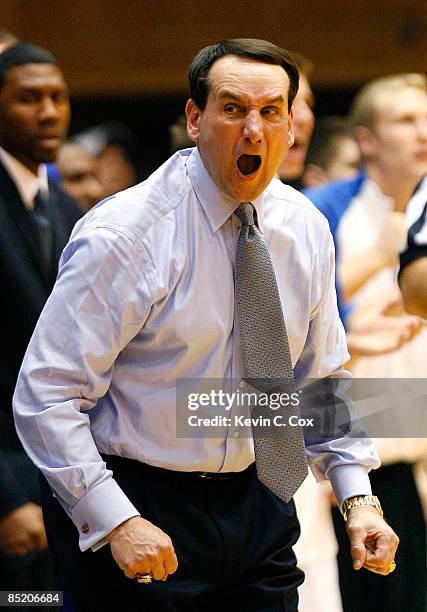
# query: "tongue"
248 163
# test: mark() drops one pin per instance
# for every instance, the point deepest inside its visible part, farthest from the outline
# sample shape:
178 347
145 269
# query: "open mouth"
248 164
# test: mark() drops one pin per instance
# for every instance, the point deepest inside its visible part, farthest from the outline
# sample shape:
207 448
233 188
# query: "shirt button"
236 434
85 528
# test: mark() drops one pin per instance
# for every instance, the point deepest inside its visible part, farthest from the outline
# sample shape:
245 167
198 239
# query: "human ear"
366 142
193 115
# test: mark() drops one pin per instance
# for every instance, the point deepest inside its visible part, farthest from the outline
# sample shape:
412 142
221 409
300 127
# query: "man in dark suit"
36 218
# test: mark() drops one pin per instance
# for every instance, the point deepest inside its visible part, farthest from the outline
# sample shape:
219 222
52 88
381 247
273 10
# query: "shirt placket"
238 445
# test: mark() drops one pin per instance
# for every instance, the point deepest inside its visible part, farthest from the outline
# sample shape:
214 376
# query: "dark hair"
22 53
328 134
252 48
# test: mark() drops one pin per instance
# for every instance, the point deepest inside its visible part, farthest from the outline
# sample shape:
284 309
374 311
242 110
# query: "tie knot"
245 212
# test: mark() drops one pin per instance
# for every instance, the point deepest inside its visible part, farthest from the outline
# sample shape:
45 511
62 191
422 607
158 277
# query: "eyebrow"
32 85
231 96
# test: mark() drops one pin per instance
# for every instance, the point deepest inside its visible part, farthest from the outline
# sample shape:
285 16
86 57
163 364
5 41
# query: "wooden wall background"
131 47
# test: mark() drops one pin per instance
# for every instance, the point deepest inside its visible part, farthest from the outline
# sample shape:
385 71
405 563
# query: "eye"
270 111
407 119
76 177
231 109
59 97
28 97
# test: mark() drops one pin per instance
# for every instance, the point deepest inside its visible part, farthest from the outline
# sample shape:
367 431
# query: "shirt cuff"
100 511
349 481
99 544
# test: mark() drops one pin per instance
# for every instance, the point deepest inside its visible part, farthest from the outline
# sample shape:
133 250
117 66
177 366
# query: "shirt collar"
27 183
216 206
376 198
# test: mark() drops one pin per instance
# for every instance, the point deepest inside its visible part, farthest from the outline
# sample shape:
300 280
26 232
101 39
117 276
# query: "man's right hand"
139 547
22 531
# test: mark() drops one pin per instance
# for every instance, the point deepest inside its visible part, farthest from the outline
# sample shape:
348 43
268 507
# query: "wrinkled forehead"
247 76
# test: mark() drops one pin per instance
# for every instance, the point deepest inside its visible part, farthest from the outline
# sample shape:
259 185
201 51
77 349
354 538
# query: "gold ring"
392 566
144 578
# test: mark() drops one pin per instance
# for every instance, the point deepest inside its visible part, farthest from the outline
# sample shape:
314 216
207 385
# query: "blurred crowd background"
128 61
125 65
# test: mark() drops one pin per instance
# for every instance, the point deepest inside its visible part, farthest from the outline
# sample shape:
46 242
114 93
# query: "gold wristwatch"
361 500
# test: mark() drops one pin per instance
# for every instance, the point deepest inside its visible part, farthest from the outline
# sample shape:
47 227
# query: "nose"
48 109
253 129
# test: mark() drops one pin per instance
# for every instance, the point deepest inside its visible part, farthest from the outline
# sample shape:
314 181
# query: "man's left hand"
373 542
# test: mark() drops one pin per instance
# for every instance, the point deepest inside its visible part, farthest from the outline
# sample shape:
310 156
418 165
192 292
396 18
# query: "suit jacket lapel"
16 209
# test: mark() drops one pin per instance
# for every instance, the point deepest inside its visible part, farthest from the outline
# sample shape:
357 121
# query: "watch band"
361 500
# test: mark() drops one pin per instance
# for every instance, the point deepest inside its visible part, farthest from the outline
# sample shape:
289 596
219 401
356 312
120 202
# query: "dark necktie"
280 458
43 225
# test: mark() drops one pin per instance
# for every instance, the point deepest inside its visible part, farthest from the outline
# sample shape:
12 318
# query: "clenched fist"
373 542
139 547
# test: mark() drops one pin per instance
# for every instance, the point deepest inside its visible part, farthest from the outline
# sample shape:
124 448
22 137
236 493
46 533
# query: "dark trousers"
404 589
233 539
34 572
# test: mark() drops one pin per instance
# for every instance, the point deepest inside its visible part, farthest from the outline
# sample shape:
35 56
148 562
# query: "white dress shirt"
145 296
27 183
